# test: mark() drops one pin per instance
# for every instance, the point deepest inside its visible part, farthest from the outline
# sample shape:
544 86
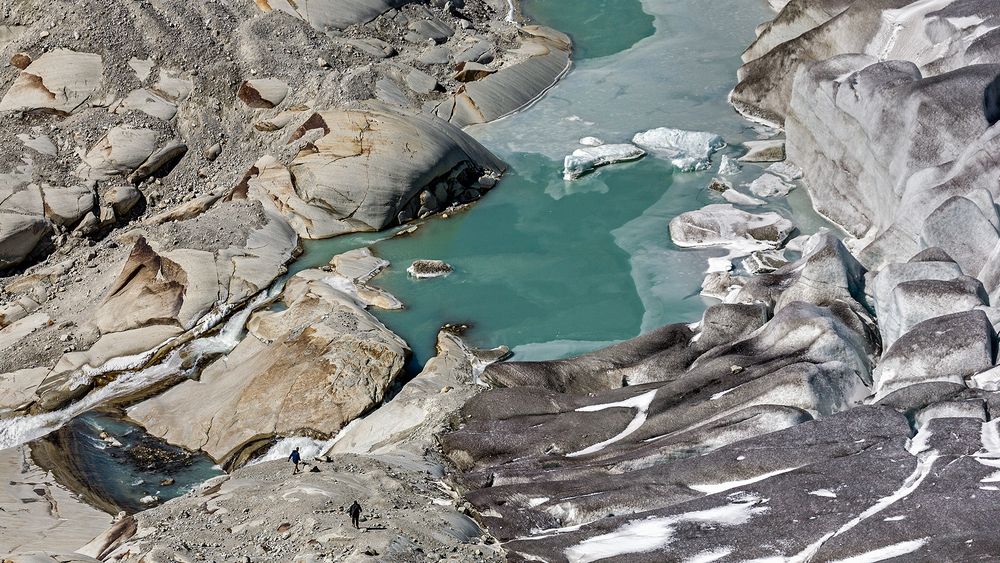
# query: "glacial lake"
554 268
548 267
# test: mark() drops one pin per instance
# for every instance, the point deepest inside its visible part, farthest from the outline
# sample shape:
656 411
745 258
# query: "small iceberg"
689 151
586 159
770 185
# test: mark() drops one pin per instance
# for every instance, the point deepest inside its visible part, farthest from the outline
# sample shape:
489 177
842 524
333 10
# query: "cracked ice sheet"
639 402
651 534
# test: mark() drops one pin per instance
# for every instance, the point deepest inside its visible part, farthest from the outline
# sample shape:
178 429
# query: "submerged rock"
429 269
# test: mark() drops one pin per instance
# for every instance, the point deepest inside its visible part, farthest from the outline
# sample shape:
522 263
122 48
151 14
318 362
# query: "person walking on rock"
355 512
295 458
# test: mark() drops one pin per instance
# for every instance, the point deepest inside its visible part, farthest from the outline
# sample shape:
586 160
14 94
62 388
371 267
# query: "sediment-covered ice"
687 150
587 159
651 534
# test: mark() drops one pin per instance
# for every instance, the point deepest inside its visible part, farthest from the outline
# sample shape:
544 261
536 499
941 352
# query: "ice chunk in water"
586 159
687 150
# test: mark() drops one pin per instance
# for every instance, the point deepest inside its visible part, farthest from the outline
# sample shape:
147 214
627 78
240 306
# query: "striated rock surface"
401 156
37 515
310 368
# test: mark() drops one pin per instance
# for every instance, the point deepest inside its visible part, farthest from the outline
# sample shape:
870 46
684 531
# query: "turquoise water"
130 464
554 268
598 27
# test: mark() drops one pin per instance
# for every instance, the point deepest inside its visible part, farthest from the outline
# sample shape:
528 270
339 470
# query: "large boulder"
410 422
311 368
60 81
398 154
948 349
544 56
22 221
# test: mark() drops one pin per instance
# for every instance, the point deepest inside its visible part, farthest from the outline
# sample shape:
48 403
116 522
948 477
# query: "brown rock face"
309 369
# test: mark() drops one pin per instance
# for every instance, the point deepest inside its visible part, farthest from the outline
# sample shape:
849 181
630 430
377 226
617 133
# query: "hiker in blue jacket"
295 458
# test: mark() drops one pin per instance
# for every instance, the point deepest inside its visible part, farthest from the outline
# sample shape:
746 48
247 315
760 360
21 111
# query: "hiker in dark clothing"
295 458
991 101
355 512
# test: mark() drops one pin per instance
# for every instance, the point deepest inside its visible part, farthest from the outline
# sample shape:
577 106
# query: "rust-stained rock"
263 93
60 81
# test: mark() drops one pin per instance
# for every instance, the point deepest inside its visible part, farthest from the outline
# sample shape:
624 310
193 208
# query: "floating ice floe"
770 185
724 225
740 198
687 150
586 159
785 170
729 167
591 142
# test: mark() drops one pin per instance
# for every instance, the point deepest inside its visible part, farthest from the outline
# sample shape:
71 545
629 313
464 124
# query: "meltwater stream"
553 268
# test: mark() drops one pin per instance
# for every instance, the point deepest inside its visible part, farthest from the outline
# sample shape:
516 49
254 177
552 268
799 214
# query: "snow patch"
308 449
651 534
710 555
712 488
639 402
823 493
888 552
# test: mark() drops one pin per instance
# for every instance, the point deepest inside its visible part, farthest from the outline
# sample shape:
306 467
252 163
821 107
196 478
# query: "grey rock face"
948 349
512 87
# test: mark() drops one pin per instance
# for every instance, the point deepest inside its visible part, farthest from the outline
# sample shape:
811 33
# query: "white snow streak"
824 493
911 483
650 534
712 488
710 555
888 552
639 402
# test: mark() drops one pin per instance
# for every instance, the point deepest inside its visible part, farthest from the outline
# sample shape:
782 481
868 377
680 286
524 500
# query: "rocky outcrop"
263 512
400 155
38 515
543 57
172 280
411 421
310 368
